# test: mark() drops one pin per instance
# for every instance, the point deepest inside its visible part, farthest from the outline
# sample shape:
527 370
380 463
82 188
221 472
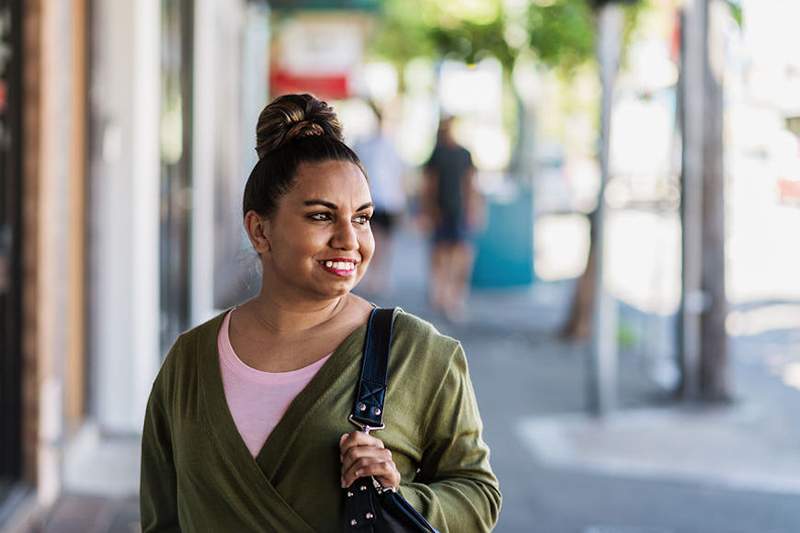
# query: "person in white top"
386 170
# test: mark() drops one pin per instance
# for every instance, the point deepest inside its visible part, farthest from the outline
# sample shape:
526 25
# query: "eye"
320 217
362 219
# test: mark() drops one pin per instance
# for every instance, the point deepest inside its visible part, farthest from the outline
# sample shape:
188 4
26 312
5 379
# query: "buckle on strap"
366 428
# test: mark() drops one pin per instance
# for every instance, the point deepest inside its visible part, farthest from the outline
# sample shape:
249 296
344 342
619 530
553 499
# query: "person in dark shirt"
451 205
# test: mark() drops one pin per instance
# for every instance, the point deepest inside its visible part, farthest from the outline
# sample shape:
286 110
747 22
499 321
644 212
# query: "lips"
339 266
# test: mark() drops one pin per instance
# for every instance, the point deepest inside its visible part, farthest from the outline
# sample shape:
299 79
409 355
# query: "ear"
258 231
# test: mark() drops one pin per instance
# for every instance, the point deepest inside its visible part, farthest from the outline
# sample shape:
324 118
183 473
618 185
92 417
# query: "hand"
364 455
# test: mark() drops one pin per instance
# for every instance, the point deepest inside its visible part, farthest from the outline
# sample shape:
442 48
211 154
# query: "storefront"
137 132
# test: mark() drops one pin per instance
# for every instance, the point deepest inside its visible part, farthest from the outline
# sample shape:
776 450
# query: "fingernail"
344 435
343 483
358 473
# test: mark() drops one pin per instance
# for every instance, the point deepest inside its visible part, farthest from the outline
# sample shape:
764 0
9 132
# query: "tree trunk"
583 311
579 320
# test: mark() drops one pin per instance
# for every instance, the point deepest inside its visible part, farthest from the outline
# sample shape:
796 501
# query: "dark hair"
292 129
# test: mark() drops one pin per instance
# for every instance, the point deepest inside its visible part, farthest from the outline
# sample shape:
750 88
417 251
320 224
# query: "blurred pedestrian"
386 171
247 425
454 209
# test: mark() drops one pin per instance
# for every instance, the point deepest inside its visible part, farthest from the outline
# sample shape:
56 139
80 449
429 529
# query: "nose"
344 237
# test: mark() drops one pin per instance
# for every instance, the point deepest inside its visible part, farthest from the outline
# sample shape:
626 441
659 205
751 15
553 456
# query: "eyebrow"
331 205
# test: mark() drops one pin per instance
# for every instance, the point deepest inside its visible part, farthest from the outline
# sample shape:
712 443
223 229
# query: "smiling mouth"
339 268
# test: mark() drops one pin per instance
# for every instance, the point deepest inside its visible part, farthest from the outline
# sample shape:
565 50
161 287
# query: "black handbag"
368 507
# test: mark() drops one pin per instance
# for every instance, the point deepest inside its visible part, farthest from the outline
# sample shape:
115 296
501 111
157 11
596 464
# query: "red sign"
330 86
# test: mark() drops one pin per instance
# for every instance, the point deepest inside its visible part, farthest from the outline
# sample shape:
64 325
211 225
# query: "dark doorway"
176 167
10 243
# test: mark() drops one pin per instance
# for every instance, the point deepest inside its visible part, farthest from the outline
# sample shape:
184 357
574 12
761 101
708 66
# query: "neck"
283 317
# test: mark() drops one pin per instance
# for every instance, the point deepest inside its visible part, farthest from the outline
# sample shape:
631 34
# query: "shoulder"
422 364
186 353
420 341
410 324
197 338
434 157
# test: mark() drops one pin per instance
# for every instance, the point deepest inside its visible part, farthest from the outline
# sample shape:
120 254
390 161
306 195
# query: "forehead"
330 180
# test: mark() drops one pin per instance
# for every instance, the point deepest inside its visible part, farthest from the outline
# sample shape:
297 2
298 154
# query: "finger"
356 470
358 438
357 453
392 479
384 471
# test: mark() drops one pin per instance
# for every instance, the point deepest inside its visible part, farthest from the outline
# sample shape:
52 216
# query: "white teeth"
340 265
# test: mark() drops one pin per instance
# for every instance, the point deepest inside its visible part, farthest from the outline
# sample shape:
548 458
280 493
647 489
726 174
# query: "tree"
559 33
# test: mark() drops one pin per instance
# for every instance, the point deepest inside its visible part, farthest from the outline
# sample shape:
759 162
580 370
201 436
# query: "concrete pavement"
654 465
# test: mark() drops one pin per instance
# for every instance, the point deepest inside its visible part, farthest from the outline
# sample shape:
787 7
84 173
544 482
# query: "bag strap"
367 412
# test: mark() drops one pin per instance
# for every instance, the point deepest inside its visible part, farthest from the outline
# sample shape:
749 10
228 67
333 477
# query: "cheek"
367 246
296 249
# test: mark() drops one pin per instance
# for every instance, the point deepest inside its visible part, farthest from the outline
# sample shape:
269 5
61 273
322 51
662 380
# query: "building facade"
127 131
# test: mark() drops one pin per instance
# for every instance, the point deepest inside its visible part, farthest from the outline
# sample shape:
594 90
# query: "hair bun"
292 117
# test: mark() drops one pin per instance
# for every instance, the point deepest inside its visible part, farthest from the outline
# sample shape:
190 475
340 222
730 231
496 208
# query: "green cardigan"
198 475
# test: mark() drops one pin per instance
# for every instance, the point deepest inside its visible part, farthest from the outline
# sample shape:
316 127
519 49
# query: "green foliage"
627 336
561 33
736 10
402 33
462 29
470 41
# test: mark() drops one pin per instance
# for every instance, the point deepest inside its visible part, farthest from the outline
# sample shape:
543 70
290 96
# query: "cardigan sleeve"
158 485
455 489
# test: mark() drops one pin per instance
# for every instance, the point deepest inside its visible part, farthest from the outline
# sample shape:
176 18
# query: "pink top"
257 400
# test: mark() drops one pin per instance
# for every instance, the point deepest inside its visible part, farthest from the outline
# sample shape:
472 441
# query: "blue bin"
504 255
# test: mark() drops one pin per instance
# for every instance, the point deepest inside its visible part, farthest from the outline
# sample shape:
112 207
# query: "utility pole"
693 40
702 335
602 383
714 381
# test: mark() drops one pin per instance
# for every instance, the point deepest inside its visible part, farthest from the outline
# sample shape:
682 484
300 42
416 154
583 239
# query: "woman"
246 426
454 210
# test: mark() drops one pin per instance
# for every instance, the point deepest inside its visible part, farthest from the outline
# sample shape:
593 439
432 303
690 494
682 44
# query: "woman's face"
320 241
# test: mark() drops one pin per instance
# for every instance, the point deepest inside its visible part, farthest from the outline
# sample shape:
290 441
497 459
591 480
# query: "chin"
335 290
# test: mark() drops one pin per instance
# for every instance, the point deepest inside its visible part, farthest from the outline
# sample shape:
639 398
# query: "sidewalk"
652 467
